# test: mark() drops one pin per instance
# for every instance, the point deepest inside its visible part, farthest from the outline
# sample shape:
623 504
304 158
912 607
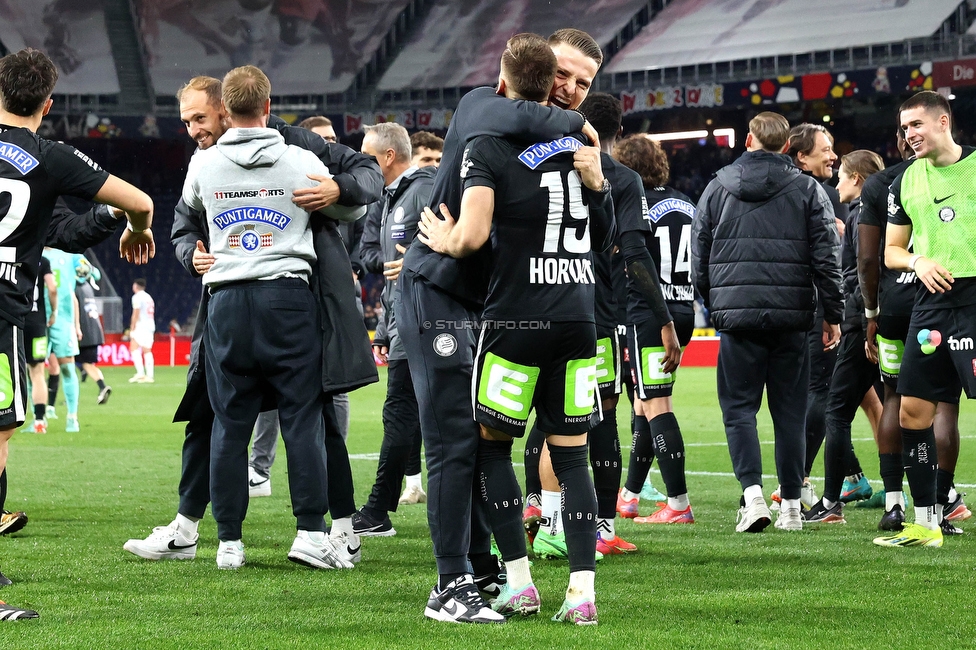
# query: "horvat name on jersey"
553 270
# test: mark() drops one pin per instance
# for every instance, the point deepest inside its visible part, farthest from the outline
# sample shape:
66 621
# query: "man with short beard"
349 363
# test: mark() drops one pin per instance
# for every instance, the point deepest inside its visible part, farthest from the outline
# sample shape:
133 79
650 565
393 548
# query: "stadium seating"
72 33
459 43
690 32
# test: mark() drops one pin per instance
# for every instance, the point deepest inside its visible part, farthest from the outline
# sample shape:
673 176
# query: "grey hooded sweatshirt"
244 185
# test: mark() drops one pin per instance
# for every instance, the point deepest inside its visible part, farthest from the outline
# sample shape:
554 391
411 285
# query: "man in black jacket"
764 244
348 362
385 238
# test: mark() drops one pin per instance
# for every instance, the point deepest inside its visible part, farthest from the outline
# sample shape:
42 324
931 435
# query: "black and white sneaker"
821 514
460 602
492 583
366 526
104 394
948 528
11 613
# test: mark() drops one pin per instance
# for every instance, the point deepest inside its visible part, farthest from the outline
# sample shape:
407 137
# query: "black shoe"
11 613
948 528
491 584
4 580
821 514
892 520
11 522
460 602
365 526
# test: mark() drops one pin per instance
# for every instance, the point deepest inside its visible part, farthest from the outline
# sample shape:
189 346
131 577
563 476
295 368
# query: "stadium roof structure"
690 32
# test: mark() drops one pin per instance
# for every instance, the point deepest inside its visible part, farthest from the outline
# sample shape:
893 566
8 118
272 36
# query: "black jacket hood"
758 176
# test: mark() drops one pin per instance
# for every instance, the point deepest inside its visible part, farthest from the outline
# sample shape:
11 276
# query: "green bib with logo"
941 202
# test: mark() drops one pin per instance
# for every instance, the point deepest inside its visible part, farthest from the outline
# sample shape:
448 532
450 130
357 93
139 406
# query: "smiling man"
931 206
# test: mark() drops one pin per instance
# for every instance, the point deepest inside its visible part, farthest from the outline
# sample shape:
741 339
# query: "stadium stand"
299 43
72 33
459 42
694 32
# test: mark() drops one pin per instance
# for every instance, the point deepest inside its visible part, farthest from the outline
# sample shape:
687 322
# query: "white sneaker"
230 555
257 485
808 496
315 549
789 519
146 380
165 543
348 546
135 379
753 517
412 495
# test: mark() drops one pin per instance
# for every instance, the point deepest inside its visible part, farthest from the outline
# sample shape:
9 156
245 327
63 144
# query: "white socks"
414 481
679 502
137 362
927 517
186 524
148 358
605 528
790 503
552 507
519 575
340 526
580 586
627 495
894 498
752 493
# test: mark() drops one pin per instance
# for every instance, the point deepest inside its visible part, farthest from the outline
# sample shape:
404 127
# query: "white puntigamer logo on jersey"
223 195
542 151
20 159
252 214
559 270
661 208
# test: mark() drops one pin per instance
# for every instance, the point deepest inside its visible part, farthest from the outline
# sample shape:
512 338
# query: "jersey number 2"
19 192
573 241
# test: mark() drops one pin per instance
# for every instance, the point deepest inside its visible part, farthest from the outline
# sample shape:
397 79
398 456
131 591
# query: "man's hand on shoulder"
315 198
588 164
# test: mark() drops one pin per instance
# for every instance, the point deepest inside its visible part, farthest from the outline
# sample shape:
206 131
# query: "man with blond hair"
763 245
262 316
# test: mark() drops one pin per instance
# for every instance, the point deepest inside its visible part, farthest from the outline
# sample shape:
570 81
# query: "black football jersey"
667 234
629 206
542 265
896 289
34 172
38 303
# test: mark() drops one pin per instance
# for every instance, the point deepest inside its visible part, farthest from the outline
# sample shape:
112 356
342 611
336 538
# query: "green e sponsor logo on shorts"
6 383
605 369
890 353
507 387
652 361
39 347
581 387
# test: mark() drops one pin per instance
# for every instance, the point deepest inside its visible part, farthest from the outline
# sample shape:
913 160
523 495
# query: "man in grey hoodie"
263 256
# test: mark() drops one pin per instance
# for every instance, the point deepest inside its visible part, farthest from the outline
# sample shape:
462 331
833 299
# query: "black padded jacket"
763 243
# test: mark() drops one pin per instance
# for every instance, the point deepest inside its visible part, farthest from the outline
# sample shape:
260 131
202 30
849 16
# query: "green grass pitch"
698 586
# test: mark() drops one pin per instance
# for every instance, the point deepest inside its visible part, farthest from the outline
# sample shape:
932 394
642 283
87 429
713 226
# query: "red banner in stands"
168 351
961 72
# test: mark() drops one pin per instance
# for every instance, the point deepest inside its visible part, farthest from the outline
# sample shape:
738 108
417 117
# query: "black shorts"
35 337
624 346
608 374
892 333
87 354
647 351
13 376
940 355
552 371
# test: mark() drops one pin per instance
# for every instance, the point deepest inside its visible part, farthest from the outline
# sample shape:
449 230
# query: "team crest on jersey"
947 214
445 344
661 208
251 214
22 161
224 195
250 240
543 151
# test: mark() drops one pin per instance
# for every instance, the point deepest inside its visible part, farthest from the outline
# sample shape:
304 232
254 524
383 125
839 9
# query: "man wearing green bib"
932 206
